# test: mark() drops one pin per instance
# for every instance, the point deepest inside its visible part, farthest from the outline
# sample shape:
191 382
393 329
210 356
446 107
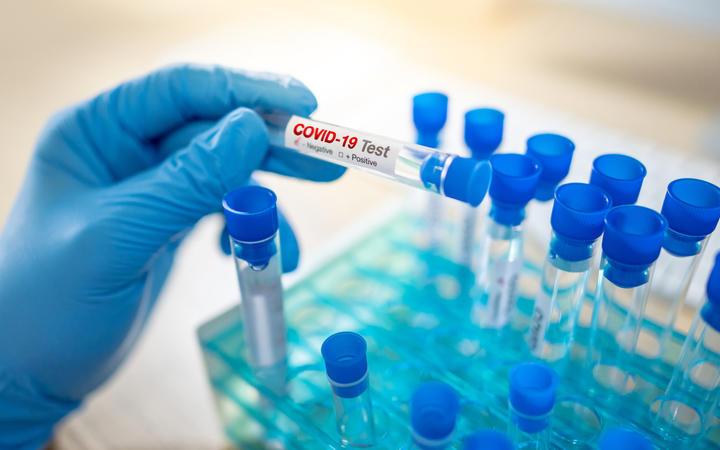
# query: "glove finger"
122 125
159 205
280 161
289 163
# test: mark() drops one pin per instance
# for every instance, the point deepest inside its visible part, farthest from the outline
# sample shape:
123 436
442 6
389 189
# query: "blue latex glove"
114 185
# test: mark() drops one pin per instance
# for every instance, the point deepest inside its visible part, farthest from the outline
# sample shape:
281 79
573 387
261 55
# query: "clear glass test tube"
577 222
483 135
621 177
429 117
687 406
434 408
532 397
453 176
632 239
251 218
554 153
345 356
692 209
500 259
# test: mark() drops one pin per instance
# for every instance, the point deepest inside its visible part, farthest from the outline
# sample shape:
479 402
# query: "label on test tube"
342 145
503 292
539 323
265 324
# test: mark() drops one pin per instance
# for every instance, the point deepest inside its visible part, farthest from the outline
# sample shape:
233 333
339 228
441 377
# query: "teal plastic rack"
412 307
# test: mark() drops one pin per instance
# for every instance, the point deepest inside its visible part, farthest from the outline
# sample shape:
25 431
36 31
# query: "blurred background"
645 68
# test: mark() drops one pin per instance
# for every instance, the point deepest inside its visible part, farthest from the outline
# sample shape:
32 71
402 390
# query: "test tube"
624 439
500 261
632 239
345 356
554 153
463 179
488 440
692 394
692 209
483 135
252 223
532 398
577 222
434 408
429 117
621 177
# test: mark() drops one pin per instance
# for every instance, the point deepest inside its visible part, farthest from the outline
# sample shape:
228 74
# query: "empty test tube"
488 440
554 153
347 371
483 135
252 223
694 389
577 221
434 408
692 209
532 397
632 238
624 439
500 260
450 175
429 117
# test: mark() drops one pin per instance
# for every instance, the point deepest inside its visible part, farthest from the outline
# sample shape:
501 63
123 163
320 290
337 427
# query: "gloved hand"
114 185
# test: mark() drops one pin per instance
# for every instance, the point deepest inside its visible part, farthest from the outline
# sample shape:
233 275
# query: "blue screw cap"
483 131
554 153
488 440
467 180
433 411
620 175
633 235
624 439
692 207
252 220
514 179
429 116
345 356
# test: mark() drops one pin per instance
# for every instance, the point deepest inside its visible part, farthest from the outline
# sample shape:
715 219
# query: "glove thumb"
161 204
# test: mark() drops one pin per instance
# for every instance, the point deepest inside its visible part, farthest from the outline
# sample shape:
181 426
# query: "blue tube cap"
624 439
579 211
430 114
483 131
514 178
554 153
620 175
251 213
532 388
345 356
633 235
252 220
467 180
692 207
488 440
433 411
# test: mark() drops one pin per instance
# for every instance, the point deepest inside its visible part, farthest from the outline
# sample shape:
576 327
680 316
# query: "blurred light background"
650 68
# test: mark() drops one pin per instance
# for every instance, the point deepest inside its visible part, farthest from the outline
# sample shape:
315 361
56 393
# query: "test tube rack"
412 307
